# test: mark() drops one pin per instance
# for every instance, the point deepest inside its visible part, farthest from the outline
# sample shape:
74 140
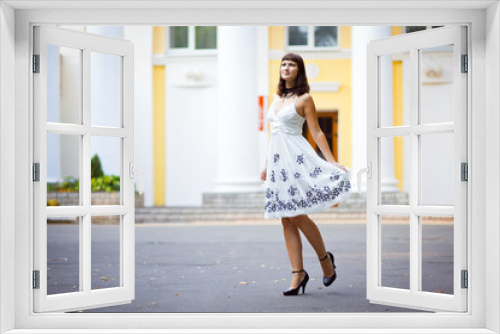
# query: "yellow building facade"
334 67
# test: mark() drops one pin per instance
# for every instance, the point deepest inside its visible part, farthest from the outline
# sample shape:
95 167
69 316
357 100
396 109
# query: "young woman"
296 179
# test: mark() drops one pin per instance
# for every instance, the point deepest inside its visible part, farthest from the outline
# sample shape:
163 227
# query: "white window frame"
190 50
310 42
415 44
484 212
123 51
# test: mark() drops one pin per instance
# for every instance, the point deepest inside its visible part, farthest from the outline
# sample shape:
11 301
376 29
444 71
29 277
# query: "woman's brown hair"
301 84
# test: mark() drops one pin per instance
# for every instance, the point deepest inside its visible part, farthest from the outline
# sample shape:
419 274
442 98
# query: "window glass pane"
297 35
105 81
105 170
395 170
63 254
437 254
178 37
63 170
436 169
64 84
105 232
436 85
325 36
394 93
206 38
410 29
395 252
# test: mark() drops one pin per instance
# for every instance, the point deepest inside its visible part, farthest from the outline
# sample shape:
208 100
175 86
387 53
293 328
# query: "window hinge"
465 64
465 172
36 63
36 279
465 279
36 172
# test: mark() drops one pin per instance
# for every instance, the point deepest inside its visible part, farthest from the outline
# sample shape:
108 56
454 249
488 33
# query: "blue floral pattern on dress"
300 159
292 191
315 195
335 176
297 175
273 179
284 176
315 172
276 157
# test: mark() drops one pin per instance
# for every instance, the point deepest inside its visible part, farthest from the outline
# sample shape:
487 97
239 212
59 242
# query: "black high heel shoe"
327 281
293 292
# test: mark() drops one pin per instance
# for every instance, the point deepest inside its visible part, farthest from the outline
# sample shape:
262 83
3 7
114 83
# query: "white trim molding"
325 86
311 55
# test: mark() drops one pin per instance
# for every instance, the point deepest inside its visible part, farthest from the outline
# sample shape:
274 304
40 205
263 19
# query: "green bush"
98 182
68 184
106 183
96 167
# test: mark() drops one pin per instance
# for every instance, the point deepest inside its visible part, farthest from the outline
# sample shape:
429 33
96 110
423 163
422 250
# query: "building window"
206 38
311 37
191 38
178 37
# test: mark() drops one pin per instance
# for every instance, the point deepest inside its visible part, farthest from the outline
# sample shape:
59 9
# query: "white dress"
298 180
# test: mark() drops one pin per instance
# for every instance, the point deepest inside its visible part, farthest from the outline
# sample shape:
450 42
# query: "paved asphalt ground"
244 266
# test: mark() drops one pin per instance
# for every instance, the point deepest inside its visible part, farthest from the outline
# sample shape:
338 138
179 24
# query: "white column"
263 89
238 169
361 36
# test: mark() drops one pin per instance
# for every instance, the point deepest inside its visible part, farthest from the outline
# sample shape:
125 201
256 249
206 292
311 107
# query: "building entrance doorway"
328 121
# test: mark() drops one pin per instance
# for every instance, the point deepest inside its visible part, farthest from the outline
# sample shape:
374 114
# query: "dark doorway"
328 122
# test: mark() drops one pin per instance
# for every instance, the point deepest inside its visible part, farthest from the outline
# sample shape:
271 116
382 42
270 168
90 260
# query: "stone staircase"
250 206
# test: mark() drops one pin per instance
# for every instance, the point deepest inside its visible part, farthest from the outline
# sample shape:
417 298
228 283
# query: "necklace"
289 91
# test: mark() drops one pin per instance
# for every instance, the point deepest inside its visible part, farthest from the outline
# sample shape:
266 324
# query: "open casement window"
83 88
410 248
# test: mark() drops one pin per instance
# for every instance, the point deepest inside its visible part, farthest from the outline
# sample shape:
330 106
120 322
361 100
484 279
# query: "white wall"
191 131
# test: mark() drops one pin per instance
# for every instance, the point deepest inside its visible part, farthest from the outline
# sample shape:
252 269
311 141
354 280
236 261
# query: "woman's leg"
294 247
313 235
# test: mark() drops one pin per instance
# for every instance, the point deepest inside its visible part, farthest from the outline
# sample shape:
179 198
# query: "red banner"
261 113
